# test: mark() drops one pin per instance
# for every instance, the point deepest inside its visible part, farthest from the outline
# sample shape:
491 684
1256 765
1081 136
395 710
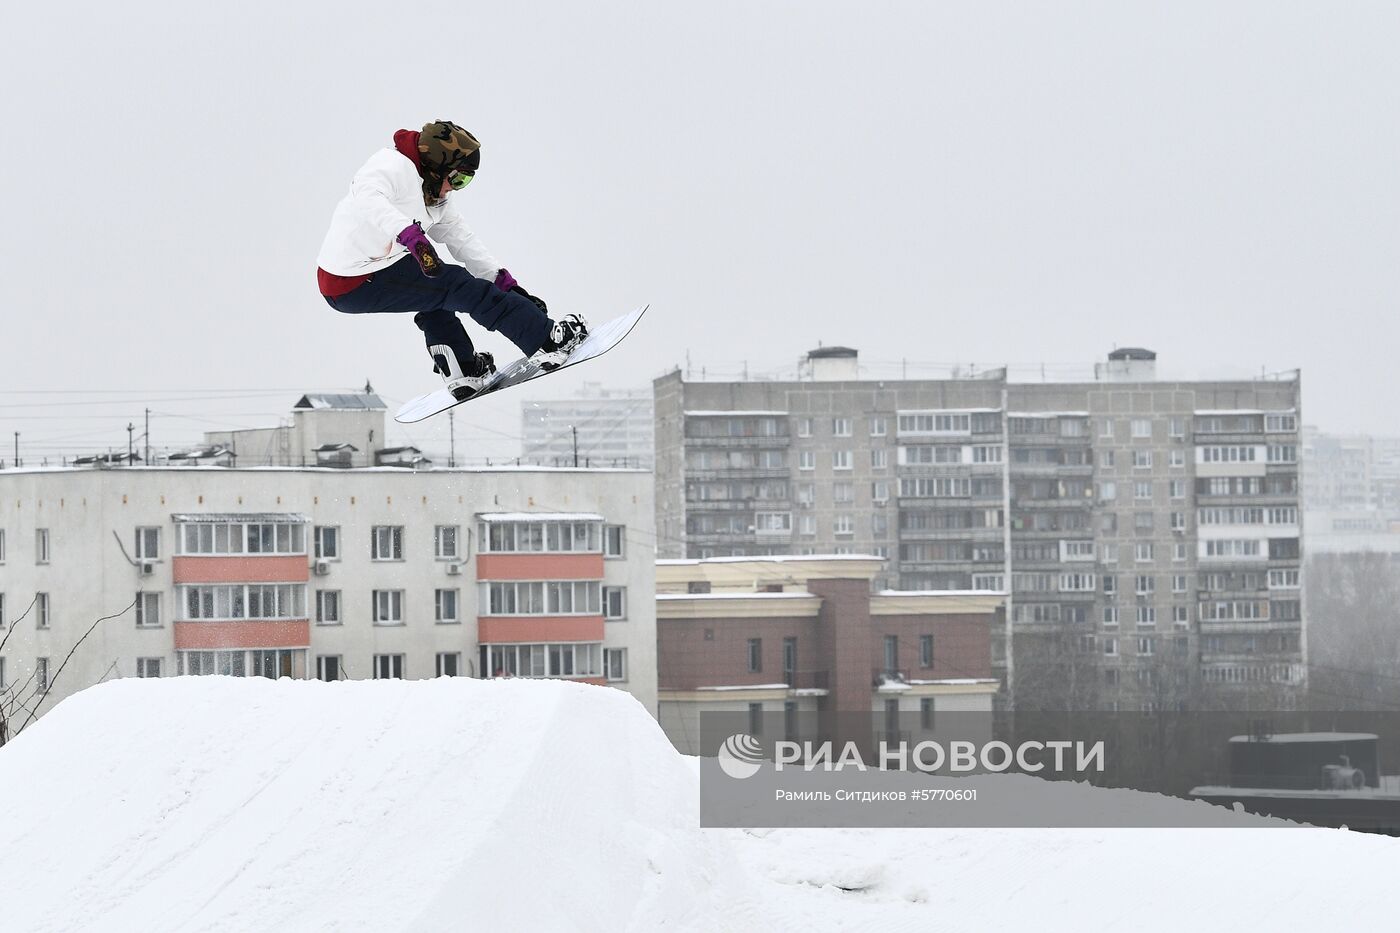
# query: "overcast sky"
942 183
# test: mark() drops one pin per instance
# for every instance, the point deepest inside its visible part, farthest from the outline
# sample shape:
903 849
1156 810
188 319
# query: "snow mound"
243 804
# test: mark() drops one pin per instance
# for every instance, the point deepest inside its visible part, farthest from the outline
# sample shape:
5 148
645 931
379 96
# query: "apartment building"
598 427
787 637
324 572
1148 531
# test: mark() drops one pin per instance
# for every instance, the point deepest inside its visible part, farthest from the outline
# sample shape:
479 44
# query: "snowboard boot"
564 337
462 381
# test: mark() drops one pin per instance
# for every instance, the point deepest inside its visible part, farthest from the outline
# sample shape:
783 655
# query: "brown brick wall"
961 644
685 660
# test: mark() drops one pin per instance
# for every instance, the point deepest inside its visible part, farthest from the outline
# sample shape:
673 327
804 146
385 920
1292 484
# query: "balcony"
758 441
806 680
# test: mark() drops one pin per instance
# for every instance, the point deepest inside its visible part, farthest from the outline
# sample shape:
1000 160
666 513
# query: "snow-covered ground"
455 804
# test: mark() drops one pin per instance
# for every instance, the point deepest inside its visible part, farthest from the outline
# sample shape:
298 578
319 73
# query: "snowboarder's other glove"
413 239
507 283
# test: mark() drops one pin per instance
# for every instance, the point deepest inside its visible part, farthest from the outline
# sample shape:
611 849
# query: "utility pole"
130 450
148 436
16 448
571 428
451 439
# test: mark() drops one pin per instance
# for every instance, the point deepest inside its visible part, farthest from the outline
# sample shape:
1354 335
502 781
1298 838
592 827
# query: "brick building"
806 636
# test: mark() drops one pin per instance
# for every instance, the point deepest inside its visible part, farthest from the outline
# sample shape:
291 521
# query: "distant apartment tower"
599 427
1153 546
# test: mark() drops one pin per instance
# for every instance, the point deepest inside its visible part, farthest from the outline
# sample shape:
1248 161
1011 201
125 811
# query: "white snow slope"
455 804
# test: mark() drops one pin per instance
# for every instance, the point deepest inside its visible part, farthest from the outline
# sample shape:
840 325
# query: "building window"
615 664
327 539
806 460
1142 459
328 667
41 545
445 542
1176 428
2 622
840 427
1147 646
445 607
449 664
1179 551
879 426
386 542
1144 552
1110 584
388 607
614 541
843 493
1142 521
2 545
148 610
1108 490
1146 616
926 651
926 713
1178 488
843 525
1145 584
1176 458
807 525
879 458
41 610
241 538
614 602
328 607
804 427
1180 615
755 719
388 667
1179 583
1110 647
1276 424
755 655
1106 428
880 491
148 543
148 667
41 674
841 460
1142 489
1110 615
1142 427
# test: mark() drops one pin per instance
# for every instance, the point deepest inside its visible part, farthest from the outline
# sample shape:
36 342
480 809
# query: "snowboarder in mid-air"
377 258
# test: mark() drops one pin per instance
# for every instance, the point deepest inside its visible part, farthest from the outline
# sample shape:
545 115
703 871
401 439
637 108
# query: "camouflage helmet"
444 146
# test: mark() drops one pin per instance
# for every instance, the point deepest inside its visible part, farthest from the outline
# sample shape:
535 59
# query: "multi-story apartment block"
327 573
1351 484
597 427
806 637
1148 531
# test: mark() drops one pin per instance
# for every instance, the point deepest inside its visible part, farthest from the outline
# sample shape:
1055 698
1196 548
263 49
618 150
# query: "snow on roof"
1245 411
747 687
954 681
1287 738
539 516
183 517
327 448
340 402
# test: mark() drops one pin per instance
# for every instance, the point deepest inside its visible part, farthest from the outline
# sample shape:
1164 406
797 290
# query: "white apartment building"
329 573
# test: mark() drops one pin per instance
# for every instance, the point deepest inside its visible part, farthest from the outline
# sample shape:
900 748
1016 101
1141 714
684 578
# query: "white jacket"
386 196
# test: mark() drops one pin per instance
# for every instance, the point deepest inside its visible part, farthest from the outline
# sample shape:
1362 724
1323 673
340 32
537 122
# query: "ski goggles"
459 180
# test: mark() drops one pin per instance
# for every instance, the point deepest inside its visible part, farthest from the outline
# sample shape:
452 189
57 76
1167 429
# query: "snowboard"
600 340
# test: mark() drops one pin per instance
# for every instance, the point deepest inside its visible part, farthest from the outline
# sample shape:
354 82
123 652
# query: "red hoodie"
332 285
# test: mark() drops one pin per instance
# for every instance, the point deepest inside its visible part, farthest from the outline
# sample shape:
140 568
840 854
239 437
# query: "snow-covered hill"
455 804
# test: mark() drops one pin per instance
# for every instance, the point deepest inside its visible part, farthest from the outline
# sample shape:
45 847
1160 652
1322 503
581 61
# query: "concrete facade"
1154 540
612 428
394 594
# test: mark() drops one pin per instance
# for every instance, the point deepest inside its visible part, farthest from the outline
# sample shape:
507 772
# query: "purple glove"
505 281
412 238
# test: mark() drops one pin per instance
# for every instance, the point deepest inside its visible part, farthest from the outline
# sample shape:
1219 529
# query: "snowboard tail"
600 340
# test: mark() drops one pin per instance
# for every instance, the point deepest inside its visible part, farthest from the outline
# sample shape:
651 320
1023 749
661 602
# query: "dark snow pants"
436 302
